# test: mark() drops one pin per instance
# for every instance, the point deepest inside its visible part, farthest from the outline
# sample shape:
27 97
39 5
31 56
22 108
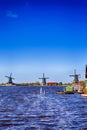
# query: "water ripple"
26 108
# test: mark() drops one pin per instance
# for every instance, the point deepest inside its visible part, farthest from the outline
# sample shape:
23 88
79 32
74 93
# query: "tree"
60 83
83 84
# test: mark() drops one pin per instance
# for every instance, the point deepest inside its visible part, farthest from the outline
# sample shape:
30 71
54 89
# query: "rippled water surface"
40 108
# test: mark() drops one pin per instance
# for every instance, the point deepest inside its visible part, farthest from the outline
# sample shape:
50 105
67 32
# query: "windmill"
86 72
44 79
86 75
76 77
10 78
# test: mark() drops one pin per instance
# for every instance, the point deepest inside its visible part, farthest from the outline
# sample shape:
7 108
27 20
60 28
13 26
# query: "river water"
40 108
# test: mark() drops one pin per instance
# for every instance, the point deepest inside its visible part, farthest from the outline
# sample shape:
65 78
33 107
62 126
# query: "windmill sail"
44 79
76 77
10 78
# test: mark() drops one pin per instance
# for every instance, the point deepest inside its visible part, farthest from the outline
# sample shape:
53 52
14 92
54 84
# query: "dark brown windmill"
44 79
76 77
10 78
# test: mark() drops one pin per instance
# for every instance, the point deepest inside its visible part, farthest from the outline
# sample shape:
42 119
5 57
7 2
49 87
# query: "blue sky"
39 36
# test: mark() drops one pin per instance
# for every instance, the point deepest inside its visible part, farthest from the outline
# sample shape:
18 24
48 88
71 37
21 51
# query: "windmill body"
44 80
10 78
76 77
76 86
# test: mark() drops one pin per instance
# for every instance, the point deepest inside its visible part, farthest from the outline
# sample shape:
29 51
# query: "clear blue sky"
39 36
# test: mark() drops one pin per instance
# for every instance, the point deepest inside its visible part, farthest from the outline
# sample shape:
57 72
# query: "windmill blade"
79 76
10 74
7 76
43 75
13 78
71 75
47 78
74 71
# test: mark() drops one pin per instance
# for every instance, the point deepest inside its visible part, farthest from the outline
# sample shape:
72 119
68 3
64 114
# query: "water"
40 108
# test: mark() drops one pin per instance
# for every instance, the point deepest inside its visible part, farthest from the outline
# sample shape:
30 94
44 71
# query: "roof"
52 83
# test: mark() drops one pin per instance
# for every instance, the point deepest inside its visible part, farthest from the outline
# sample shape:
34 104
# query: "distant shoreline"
7 85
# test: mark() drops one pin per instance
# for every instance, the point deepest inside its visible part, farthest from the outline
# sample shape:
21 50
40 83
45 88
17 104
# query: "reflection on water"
40 108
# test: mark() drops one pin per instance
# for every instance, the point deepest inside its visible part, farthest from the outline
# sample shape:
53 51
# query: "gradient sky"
39 36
